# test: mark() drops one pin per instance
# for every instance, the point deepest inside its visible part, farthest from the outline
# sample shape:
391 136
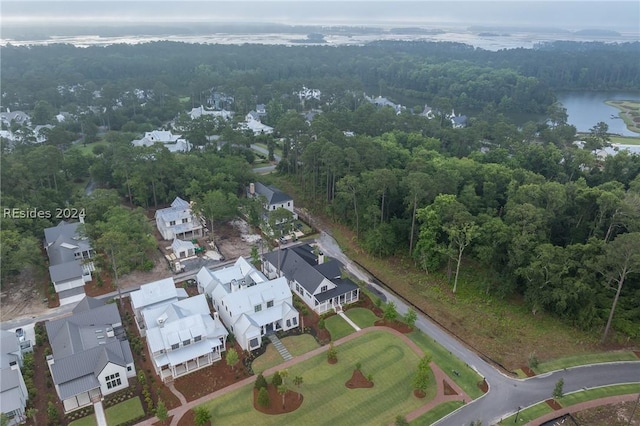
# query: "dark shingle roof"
342 286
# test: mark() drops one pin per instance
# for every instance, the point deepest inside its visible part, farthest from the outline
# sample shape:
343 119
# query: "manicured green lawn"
119 413
338 327
588 395
542 408
437 413
468 378
560 363
326 398
296 345
362 317
625 140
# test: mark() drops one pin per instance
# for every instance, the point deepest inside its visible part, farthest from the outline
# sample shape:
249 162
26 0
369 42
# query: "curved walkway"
440 397
582 406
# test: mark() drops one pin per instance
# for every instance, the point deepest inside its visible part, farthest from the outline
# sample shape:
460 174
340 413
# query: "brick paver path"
178 412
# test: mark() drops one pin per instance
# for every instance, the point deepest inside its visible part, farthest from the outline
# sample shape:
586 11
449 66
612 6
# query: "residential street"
505 394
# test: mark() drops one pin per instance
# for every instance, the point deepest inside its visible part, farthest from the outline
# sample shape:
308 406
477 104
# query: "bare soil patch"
396 325
553 404
637 353
358 381
292 401
529 372
25 295
448 390
612 415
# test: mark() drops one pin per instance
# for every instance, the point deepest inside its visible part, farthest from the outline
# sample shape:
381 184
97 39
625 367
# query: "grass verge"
296 345
437 413
560 363
468 378
326 398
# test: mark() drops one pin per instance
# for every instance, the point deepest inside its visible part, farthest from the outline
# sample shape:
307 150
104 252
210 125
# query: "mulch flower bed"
448 390
529 372
332 360
292 401
358 381
212 378
165 422
483 386
553 404
396 325
419 394
637 353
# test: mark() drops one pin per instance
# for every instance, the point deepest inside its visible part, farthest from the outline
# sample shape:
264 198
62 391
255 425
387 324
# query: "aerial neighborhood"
393 232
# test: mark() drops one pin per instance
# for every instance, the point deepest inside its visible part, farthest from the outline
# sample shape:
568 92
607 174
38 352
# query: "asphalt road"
505 394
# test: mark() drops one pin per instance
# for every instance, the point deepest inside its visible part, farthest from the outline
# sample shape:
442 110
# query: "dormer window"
186 342
323 289
257 308
197 338
172 223
270 304
175 346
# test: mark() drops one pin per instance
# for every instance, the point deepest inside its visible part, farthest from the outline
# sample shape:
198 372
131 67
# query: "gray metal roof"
272 194
69 335
8 342
87 304
10 395
65 271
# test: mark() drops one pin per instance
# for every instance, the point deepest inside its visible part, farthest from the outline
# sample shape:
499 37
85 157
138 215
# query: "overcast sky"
569 14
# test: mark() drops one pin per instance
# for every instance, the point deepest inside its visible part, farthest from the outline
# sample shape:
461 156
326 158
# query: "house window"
257 308
175 346
274 207
185 220
253 343
197 338
323 289
128 368
172 223
288 323
294 320
113 381
289 204
186 342
270 304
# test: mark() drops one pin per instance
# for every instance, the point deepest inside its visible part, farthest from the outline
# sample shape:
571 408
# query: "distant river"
586 109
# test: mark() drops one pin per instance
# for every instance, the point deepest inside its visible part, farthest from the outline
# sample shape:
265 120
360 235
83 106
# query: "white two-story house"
13 390
250 305
178 221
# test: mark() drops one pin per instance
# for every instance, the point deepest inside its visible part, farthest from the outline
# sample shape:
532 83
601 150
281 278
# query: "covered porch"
185 361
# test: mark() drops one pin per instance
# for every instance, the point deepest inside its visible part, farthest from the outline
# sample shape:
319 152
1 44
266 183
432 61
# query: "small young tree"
261 382
276 380
202 416
263 397
421 378
558 390
255 257
282 390
4 419
161 411
401 421
297 381
284 374
390 312
52 413
533 361
332 353
411 317
232 358
32 414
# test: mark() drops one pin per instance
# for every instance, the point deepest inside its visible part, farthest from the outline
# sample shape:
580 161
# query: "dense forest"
558 226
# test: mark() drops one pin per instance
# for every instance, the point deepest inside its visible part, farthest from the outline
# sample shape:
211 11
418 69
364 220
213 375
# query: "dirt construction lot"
22 296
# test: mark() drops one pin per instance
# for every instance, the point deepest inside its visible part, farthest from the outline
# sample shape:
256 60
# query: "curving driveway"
505 394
